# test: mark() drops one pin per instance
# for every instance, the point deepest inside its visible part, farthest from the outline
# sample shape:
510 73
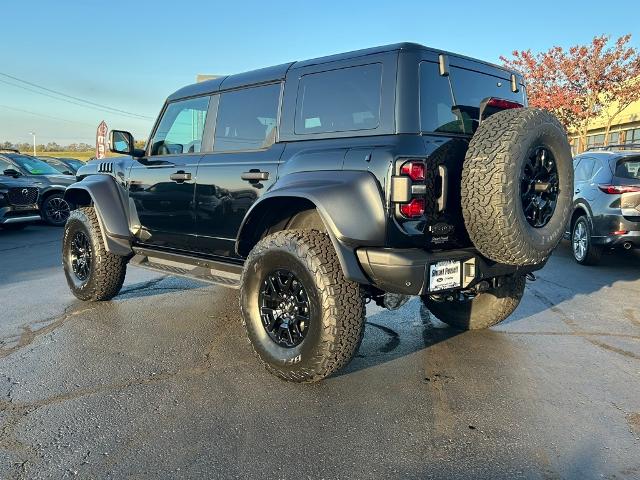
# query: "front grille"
22 196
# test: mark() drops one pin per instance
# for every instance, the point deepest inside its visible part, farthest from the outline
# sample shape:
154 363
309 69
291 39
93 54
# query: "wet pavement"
161 383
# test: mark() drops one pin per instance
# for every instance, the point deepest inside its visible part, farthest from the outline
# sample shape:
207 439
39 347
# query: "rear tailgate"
626 172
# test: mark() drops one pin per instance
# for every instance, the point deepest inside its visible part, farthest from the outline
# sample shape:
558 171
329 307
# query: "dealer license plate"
445 275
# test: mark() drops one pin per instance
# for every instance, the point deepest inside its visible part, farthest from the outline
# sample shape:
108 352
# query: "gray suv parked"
606 211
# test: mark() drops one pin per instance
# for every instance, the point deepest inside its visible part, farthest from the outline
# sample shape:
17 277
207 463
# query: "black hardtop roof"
278 72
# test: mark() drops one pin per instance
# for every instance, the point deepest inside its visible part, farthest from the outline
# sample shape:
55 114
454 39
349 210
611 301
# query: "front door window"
180 130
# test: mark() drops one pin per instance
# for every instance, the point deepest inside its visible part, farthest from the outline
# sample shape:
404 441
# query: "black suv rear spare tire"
482 311
303 319
517 186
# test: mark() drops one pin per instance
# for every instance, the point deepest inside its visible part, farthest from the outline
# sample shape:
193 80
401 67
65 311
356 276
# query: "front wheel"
55 210
92 272
481 311
303 319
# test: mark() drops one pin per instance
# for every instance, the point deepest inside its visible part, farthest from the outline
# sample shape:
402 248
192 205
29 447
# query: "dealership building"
625 129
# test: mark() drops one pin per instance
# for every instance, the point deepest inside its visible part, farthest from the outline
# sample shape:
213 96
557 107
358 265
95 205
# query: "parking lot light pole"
34 142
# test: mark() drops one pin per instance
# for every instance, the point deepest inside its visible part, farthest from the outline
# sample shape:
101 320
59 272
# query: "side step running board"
212 271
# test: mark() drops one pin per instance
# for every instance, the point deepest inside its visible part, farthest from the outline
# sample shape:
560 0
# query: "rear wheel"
481 311
584 251
92 273
303 319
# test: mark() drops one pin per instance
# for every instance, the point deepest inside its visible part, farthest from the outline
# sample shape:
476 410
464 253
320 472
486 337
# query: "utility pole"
34 142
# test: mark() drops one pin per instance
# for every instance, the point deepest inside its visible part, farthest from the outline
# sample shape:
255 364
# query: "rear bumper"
605 225
406 271
614 241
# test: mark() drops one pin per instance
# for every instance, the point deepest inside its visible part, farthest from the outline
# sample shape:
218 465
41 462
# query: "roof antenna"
443 63
514 83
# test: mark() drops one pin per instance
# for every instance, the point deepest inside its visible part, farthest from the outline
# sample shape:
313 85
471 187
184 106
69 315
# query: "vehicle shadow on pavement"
562 279
390 335
158 286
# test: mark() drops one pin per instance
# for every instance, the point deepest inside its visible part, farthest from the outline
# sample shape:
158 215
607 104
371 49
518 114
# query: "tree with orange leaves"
583 82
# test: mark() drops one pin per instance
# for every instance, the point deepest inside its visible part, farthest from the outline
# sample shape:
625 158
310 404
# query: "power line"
89 102
45 116
60 99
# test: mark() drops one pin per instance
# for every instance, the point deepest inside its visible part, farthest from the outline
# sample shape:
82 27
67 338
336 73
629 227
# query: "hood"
64 180
10 182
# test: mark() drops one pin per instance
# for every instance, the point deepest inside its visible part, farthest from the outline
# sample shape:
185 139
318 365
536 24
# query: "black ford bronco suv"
317 186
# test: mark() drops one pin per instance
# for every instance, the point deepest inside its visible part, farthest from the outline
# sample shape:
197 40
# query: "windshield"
74 163
33 166
55 163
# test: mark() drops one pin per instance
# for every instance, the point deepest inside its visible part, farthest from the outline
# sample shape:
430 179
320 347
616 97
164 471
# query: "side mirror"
11 172
68 172
122 142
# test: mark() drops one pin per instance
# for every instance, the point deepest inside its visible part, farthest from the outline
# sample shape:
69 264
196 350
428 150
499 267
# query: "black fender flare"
108 200
350 204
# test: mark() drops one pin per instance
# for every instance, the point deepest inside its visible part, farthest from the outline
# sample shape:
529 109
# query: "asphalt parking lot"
161 383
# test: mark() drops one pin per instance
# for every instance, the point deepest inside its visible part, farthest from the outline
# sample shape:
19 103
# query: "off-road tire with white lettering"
482 311
336 324
107 270
491 186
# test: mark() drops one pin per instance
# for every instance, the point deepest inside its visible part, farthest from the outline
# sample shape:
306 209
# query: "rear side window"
247 119
339 100
628 168
452 104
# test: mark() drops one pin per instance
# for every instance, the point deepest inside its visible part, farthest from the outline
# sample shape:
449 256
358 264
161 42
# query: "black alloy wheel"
539 187
80 255
284 308
56 210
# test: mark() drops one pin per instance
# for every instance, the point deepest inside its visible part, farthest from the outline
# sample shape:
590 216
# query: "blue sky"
131 54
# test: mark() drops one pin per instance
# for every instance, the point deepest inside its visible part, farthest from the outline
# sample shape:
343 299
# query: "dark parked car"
67 166
606 213
51 184
316 186
18 203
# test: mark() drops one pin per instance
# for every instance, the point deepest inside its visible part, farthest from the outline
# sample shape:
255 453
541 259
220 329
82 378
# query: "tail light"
413 209
414 170
503 104
408 189
618 189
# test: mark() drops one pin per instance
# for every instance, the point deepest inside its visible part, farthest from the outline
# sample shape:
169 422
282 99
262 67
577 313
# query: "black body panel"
340 164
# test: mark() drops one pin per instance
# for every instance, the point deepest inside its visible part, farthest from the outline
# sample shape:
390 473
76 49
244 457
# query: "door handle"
255 176
180 176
